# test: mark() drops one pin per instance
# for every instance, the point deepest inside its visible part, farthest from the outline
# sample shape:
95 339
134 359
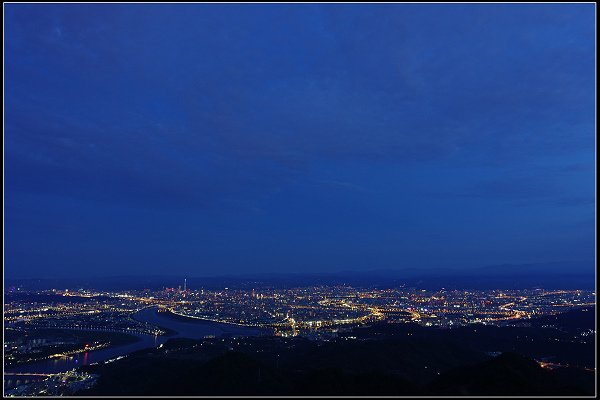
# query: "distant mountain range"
565 275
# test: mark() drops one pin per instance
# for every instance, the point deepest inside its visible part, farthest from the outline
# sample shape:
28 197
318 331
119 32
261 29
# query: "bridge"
101 329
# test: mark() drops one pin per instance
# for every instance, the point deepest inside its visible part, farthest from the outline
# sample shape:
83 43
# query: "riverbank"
63 364
41 344
193 319
194 328
177 326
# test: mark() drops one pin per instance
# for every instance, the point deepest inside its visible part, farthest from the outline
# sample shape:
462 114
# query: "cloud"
219 104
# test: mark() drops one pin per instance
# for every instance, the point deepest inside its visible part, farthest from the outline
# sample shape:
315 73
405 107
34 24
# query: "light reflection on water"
63 364
197 329
193 328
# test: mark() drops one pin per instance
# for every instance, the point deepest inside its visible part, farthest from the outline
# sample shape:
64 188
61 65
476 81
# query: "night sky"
208 139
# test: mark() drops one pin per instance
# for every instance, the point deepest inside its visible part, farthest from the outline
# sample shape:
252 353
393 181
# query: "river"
194 329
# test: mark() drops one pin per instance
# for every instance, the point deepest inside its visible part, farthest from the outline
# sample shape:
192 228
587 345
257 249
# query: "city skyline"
82 341
299 200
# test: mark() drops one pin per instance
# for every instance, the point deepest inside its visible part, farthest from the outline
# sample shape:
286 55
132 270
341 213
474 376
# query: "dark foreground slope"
236 373
506 375
387 359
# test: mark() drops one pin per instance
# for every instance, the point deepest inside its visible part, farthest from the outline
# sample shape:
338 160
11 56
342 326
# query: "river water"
194 329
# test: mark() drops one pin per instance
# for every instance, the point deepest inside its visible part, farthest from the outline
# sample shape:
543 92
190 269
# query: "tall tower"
184 284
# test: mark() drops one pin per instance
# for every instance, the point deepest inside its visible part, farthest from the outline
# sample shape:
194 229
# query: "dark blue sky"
207 139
